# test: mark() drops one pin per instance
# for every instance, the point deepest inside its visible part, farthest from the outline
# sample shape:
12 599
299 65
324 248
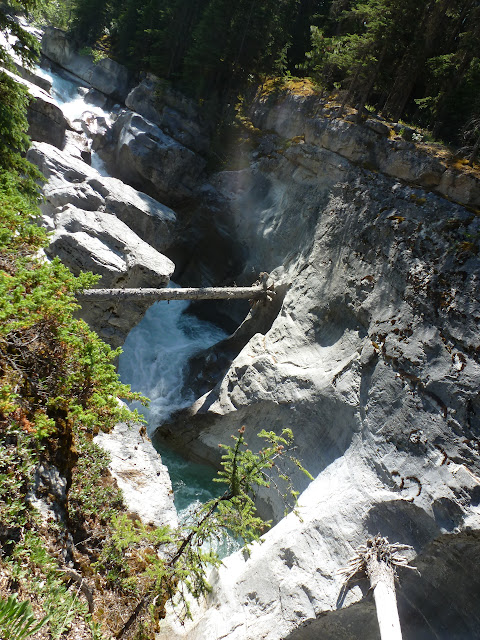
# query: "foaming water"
156 352
69 95
154 360
98 164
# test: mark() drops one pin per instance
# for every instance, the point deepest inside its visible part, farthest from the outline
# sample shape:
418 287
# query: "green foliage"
57 13
36 571
23 44
91 497
95 54
54 370
18 459
14 141
157 565
14 99
17 621
58 385
416 60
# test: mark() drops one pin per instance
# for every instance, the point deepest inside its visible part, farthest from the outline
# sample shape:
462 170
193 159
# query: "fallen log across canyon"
256 292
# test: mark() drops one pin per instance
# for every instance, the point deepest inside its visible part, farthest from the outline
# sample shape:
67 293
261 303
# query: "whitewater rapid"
156 352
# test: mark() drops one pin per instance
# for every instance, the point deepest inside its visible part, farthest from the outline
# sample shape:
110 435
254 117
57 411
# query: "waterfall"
156 352
154 359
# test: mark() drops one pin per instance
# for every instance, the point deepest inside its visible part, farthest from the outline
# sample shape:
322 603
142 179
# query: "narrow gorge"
369 350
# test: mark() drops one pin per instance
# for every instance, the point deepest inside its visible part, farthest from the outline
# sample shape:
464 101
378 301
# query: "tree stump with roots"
378 559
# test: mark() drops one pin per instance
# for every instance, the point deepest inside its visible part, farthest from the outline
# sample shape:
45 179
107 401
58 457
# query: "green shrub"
17 621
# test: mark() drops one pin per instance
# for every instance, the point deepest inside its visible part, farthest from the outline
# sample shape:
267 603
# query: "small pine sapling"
187 554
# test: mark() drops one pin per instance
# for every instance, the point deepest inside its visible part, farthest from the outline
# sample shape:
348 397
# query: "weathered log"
378 559
259 291
382 580
207 293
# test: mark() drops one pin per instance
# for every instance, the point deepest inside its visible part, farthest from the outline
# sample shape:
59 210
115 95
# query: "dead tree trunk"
259 291
382 580
207 293
378 559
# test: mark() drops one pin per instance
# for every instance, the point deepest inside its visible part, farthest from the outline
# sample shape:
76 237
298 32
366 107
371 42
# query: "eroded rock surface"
140 474
46 122
373 361
171 111
72 181
144 156
371 354
84 210
369 145
106 75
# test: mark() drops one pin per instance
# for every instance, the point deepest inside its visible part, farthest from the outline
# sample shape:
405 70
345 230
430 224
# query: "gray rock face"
34 76
289 587
99 242
46 122
373 361
296 116
142 155
85 210
140 474
106 75
72 181
177 116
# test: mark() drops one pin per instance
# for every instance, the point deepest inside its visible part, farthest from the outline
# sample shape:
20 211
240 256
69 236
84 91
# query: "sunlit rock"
106 75
85 212
46 122
140 153
177 116
372 360
140 474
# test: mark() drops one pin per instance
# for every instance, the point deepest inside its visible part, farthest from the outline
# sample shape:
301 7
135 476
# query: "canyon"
369 350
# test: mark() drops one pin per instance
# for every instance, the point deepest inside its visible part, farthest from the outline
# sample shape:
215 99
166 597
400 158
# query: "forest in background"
415 60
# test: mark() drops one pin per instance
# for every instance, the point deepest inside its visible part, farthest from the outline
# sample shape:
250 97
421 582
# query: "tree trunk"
369 84
475 150
428 31
382 580
207 293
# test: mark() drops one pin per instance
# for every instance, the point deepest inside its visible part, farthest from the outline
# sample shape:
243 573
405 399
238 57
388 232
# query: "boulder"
34 76
83 210
106 75
403 162
140 474
177 116
461 186
142 155
72 181
99 242
56 46
46 122
379 127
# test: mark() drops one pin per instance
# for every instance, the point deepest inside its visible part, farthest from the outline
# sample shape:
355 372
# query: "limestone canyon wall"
370 352
372 360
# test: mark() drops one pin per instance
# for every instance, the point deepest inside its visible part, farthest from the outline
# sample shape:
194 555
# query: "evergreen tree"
14 100
92 18
411 59
310 12
168 34
375 32
233 40
428 29
452 76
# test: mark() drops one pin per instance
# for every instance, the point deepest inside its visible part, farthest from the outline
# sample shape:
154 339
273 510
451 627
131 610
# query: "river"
156 352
